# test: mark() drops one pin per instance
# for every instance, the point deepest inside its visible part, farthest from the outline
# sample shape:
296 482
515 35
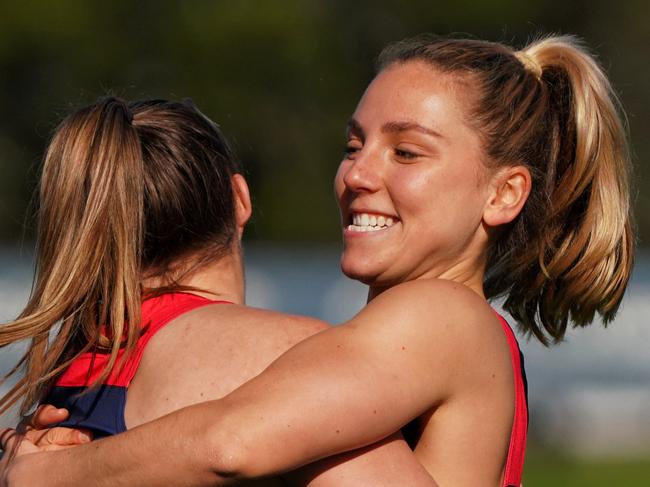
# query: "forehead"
415 91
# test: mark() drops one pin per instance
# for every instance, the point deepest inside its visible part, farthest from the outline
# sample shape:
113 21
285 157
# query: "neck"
474 282
468 271
221 278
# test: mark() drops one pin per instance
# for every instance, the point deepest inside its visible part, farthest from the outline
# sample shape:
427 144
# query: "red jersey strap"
156 313
516 451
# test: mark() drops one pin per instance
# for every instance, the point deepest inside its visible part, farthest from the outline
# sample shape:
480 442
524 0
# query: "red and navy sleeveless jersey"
515 460
101 409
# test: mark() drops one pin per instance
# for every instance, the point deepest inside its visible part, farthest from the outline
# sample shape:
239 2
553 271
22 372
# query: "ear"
509 190
243 207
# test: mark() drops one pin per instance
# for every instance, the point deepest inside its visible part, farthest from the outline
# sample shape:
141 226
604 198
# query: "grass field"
544 469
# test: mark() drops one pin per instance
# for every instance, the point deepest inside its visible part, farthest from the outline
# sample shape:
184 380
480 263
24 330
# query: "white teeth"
359 228
365 222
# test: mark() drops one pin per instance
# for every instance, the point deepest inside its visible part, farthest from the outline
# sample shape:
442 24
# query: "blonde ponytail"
586 245
90 234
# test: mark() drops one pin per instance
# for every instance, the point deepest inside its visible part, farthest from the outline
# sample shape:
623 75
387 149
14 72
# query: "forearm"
167 452
207 445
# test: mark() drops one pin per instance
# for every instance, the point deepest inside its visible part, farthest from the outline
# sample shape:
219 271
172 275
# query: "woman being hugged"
472 171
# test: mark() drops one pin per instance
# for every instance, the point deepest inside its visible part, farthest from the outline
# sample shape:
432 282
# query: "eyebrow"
397 127
393 127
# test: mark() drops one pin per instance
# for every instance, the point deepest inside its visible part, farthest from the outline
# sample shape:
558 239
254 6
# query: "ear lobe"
510 188
243 206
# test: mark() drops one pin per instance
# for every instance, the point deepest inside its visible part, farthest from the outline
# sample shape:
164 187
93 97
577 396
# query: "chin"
370 277
358 274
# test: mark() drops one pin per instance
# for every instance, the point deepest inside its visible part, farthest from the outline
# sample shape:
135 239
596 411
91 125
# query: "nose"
362 173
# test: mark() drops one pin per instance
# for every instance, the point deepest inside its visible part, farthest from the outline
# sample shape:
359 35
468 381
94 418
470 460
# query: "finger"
46 415
59 437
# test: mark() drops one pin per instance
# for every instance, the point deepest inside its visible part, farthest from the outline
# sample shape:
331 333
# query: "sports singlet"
101 409
515 460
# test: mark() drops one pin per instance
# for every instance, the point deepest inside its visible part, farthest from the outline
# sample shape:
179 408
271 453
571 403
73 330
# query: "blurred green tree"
280 77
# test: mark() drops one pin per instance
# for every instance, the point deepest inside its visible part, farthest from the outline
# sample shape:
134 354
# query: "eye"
405 154
351 148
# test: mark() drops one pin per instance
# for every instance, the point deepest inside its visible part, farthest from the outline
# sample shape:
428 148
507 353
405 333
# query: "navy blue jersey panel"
99 410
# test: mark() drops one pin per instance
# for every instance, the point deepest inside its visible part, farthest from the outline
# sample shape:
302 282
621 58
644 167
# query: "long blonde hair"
569 254
124 190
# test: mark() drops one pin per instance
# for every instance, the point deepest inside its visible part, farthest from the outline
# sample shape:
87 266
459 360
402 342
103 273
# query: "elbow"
226 458
231 458
232 448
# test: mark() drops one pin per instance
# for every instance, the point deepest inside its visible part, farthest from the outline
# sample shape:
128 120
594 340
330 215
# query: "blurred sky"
281 77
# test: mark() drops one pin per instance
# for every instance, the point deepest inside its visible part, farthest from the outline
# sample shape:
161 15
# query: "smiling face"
412 187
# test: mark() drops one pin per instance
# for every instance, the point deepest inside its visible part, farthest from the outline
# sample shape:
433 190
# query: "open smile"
370 222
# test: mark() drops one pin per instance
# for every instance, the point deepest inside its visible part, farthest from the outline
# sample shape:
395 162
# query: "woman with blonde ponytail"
472 171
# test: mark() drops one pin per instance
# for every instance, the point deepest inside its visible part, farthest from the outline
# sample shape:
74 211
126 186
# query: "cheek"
414 190
445 197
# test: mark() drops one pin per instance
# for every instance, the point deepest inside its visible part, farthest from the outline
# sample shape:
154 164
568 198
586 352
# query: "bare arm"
342 389
386 463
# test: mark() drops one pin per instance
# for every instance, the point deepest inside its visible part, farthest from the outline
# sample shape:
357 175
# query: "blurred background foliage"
281 77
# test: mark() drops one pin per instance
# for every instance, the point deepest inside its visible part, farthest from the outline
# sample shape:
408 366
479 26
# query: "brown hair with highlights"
550 107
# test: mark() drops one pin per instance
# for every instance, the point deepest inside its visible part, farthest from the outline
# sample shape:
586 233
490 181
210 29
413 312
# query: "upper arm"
351 385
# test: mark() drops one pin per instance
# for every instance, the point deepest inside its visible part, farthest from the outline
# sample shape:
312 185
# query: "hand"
33 434
36 429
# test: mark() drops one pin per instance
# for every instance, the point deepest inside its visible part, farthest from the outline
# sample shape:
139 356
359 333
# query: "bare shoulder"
234 335
440 301
268 323
208 352
440 316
